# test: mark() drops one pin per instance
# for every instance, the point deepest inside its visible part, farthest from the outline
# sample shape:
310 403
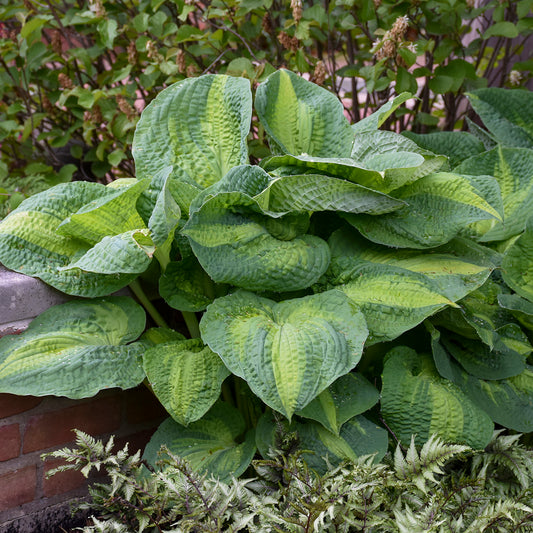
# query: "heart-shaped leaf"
348 396
415 400
302 117
287 352
210 444
75 350
186 377
197 126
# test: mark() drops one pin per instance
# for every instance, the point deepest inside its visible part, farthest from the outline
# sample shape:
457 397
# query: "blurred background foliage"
75 75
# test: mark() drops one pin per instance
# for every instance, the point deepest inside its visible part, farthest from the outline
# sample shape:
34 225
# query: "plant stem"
135 286
192 324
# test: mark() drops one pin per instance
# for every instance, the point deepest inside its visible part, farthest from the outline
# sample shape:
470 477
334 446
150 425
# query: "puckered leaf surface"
197 126
209 444
301 117
513 170
415 399
439 207
75 350
30 244
287 352
186 377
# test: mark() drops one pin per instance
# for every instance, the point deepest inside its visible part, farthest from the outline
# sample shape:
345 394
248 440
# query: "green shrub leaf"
288 352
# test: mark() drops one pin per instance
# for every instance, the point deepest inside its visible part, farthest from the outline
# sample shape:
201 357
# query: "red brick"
62 481
54 428
11 404
9 442
143 406
17 487
136 441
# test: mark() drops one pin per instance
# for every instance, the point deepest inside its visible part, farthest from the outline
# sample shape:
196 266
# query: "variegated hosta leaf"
401 160
392 298
197 126
340 167
186 377
110 215
209 445
483 362
186 286
456 145
75 350
287 352
237 244
128 253
507 401
348 396
160 335
416 400
30 244
508 114
376 119
513 170
315 192
439 206
457 268
301 117
521 309
357 437
517 264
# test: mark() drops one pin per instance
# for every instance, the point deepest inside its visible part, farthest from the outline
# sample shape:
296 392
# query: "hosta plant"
304 281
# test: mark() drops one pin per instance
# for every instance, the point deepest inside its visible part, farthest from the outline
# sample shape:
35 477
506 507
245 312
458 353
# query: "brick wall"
30 426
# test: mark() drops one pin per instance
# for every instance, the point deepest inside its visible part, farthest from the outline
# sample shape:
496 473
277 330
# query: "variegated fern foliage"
442 488
352 266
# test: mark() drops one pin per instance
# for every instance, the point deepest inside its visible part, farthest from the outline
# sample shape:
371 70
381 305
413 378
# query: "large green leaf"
348 396
416 400
508 114
457 267
508 401
439 207
303 118
521 309
186 377
517 264
456 145
287 352
109 215
216 444
400 160
513 169
236 243
197 126
30 244
376 119
75 350
186 286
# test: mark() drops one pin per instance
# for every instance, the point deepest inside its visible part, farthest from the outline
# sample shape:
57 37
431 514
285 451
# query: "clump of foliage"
442 487
354 280
74 75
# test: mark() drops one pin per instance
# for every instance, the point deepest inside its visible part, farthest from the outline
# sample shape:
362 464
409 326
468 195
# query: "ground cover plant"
441 488
74 75
355 281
